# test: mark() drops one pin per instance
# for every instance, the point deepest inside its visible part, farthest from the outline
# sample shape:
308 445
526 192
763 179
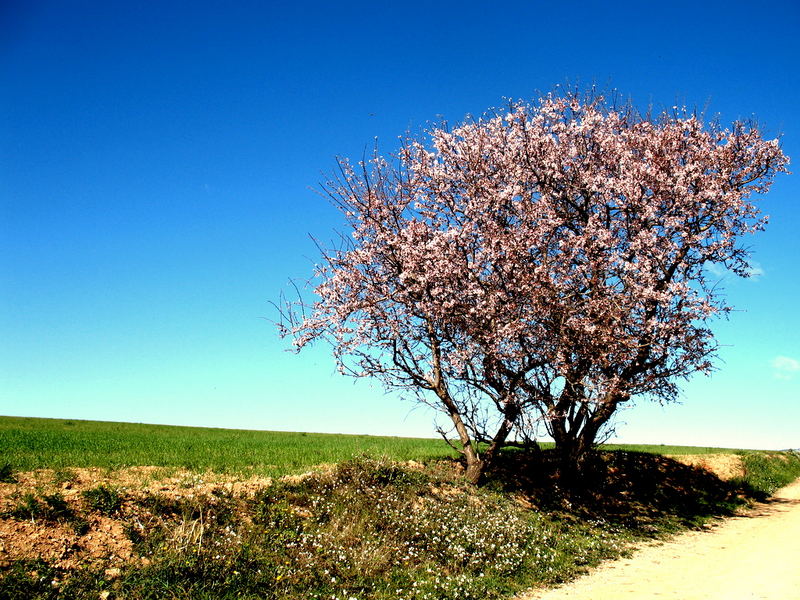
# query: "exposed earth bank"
752 556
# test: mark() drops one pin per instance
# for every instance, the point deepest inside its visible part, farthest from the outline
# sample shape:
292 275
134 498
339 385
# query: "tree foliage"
539 266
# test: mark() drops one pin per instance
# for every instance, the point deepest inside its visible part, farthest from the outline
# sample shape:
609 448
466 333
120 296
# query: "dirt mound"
46 515
724 466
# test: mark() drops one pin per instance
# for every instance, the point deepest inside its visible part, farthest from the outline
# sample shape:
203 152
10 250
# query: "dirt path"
755 556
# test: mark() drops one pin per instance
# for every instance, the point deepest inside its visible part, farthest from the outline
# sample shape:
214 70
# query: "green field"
27 444
670 450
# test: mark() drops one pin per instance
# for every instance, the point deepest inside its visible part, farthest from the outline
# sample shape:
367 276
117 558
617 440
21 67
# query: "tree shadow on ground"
640 491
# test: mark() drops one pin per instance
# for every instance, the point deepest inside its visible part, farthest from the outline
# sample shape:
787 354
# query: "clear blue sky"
156 161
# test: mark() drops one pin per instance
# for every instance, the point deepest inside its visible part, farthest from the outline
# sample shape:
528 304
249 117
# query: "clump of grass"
80 526
56 508
28 507
7 474
105 499
50 507
64 475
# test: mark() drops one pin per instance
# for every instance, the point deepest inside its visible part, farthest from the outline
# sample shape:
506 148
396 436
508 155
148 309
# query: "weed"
365 472
39 580
50 508
30 579
28 508
80 526
62 476
105 499
134 532
159 504
56 508
31 508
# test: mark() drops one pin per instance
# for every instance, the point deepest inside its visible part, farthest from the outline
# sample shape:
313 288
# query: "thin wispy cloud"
785 368
717 270
754 273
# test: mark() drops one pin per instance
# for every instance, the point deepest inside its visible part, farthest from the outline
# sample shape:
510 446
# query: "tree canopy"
540 266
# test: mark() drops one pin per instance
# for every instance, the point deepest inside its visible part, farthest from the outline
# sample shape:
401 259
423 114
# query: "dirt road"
756 556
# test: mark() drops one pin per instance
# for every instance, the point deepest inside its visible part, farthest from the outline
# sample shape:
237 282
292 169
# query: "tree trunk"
475 468
576 437
475 465
571 447
570 462
437 383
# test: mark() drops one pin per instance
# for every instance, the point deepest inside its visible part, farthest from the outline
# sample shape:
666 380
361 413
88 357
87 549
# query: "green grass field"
27 444
670 450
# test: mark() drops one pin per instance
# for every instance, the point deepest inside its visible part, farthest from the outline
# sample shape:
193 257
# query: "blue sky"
157 162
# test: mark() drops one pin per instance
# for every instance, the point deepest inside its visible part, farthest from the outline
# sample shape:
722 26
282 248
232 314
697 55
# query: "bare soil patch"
724 466
100 539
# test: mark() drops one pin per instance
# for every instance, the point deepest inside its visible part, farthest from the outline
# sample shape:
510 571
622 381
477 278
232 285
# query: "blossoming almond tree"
542 265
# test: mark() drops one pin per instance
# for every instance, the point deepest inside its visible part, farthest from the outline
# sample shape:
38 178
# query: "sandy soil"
724 466
753 556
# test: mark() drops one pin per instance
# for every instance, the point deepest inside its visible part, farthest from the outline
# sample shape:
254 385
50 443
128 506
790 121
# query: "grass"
104 499
7 474
27 444
766 472
670 450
